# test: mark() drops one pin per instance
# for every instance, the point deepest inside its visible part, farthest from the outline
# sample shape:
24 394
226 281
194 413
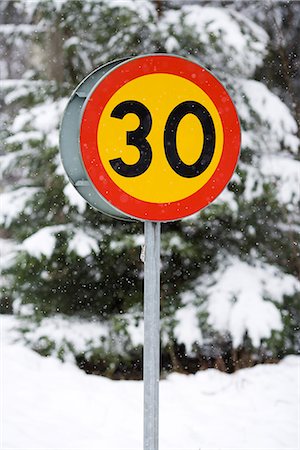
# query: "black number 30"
138 139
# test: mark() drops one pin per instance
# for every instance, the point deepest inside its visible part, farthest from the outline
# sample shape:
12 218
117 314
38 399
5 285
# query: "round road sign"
159 137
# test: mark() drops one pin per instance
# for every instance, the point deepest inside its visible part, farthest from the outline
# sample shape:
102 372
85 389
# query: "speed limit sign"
158 138
154 138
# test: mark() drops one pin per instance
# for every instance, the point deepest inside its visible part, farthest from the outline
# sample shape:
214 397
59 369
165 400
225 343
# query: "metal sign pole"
151 334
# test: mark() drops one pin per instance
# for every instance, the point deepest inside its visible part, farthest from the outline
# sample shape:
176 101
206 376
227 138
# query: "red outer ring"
95 104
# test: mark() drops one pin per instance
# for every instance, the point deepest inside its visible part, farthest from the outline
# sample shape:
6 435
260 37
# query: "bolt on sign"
152 138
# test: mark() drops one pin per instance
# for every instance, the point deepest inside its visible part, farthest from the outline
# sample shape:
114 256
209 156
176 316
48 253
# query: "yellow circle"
160 93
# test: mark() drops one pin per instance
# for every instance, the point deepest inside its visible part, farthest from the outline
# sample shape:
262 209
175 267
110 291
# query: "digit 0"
138 139
178 113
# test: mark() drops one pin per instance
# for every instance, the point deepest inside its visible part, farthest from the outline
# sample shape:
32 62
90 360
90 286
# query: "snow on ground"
50 405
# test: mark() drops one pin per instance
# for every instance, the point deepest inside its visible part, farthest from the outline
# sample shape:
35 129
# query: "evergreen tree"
228 290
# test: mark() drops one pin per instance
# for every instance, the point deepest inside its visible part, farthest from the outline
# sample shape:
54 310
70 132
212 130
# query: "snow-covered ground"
46 404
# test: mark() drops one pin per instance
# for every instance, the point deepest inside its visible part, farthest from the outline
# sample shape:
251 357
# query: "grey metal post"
151 334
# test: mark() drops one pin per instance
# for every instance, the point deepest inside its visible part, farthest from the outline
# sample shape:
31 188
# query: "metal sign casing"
157 138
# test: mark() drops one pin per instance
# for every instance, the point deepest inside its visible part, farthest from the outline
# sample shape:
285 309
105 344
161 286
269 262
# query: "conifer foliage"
72 276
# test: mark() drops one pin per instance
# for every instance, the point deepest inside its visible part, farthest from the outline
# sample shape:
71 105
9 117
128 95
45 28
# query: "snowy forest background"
72 277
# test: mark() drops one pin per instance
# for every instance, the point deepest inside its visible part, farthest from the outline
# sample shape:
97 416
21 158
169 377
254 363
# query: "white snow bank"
237 301
12 203
47 404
